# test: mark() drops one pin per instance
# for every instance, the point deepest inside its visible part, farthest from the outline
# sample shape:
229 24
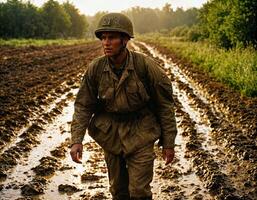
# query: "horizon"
90 8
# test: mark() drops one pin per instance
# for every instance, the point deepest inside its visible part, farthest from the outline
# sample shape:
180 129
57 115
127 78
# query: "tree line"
226 23
152 20
20 19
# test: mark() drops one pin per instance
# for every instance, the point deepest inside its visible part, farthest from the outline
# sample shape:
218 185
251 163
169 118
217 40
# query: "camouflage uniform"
125 116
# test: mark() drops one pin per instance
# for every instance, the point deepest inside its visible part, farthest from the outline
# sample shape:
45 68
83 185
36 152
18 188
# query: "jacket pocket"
106 93
98 128
136 95
103 123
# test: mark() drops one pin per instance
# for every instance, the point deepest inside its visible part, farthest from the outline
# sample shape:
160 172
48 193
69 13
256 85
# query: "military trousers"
130 175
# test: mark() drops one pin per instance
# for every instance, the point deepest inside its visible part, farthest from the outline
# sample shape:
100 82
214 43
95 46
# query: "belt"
128 116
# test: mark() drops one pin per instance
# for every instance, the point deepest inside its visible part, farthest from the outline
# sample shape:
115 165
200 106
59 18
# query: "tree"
165 16
242 23
78 22
32 24
144 19
56 20
229 23
11 10
93 21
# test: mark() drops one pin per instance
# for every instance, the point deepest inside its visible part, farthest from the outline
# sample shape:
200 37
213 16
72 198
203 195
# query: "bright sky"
90 7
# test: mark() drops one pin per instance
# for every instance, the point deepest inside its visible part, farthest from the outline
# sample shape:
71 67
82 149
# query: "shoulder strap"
140 68
99 69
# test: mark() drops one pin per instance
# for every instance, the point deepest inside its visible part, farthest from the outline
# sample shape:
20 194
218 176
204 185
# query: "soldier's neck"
118 60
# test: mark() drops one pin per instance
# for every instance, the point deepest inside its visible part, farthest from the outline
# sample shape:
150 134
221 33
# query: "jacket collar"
129 63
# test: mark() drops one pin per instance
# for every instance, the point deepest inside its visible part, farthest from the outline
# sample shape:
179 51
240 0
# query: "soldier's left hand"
168 155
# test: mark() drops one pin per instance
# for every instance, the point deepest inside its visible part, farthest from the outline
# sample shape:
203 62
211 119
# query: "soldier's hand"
168 155
76 152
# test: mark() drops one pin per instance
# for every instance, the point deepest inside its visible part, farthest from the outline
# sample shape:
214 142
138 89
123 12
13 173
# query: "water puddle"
189 180
57 131
168 64
202 124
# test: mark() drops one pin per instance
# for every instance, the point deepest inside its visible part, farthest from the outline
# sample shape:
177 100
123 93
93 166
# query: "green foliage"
56 19
20 19
230 23
78 22
235 67
144 19
93 21
180 31
184 32
194 34
41 42
12 15
147 20
150 20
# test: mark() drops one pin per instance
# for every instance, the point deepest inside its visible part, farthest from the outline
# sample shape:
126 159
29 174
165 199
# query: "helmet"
114 22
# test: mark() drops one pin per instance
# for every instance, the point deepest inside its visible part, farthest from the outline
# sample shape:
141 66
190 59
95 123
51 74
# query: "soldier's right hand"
76 152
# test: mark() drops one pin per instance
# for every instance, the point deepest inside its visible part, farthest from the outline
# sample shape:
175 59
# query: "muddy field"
216 146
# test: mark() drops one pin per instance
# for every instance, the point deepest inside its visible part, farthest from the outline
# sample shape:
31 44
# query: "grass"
41 42
236 68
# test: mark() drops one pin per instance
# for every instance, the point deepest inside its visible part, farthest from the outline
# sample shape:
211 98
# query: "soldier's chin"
108 53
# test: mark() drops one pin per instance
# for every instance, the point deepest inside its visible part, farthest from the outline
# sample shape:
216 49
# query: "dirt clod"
68 188
48 165
35 187
90 177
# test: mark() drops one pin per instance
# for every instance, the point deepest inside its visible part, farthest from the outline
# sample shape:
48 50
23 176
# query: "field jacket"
124 115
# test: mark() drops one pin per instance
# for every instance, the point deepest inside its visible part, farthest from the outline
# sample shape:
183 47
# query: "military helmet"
114 22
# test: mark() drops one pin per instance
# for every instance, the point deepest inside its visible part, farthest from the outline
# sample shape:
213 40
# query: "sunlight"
89 7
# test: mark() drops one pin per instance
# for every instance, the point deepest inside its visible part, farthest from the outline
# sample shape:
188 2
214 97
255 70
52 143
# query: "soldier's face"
112 43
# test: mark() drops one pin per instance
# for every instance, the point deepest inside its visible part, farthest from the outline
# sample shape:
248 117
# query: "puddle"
185 182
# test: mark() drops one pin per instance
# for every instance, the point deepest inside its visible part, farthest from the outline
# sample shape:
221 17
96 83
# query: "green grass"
41 42
236 67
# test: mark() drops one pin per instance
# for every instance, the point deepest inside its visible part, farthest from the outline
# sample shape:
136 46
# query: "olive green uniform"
125 116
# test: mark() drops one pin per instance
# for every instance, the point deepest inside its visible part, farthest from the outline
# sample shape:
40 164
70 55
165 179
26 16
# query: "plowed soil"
216 146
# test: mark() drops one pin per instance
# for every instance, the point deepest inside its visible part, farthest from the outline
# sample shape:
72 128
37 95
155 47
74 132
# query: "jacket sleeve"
84 107
161 94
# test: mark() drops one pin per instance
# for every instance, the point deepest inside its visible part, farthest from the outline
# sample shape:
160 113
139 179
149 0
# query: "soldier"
125 101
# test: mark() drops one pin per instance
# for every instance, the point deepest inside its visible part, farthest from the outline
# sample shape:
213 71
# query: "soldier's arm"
84 107
161 94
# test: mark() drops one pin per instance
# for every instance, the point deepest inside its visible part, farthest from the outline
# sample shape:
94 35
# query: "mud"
68 189
226 112
35 76
36 187
216 150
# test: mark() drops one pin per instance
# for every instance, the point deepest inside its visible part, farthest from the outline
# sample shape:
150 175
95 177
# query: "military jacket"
124 115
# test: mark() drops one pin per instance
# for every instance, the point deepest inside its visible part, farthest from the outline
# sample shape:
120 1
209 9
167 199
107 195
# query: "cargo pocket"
132 94
149 122
146 131
106 93
103 123
99 127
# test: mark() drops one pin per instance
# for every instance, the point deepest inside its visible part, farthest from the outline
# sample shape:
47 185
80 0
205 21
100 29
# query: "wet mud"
227 161
216 151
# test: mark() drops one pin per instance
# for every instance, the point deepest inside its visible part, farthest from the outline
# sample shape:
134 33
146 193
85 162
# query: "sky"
90 7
